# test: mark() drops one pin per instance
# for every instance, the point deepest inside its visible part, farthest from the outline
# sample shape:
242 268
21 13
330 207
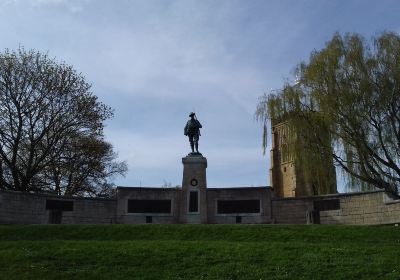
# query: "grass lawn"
199 252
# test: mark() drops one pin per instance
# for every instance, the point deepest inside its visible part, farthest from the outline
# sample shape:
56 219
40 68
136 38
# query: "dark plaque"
161 206
325 205
60 205
238 206
193 202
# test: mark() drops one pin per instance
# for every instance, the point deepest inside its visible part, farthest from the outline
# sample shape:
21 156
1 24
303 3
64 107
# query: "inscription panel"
161 206
238 206
325 205
60 205
194 202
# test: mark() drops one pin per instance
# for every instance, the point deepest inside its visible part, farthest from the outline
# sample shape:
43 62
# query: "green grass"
199 252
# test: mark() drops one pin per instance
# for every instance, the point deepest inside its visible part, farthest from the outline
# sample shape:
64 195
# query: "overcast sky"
156 61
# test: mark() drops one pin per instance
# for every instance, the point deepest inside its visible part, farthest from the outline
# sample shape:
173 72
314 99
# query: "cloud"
73 6
47 2
154 61
8 2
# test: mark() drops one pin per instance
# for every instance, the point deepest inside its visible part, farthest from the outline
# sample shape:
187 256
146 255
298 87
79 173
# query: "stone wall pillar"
194 190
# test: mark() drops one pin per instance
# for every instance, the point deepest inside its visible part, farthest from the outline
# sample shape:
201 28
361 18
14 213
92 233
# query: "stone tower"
287 177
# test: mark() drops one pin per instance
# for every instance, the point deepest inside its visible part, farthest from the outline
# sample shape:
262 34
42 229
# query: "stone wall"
362 208
179 214
290 210
351 208
25 208
126 193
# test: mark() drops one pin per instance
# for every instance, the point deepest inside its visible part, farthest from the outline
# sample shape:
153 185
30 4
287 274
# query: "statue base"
194 185
194 154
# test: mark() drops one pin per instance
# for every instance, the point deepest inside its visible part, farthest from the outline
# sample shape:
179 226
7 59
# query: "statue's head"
192 114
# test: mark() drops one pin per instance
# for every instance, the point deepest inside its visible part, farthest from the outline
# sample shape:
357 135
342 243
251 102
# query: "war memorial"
288 201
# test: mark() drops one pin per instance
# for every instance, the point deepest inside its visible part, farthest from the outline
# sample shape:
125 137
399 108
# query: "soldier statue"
192 130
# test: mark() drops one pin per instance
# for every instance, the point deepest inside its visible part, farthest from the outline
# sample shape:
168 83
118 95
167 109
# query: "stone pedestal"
194 185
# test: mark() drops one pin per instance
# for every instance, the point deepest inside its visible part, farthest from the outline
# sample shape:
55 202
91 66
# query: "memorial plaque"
60 205
194 202
160 206
238 206
325 205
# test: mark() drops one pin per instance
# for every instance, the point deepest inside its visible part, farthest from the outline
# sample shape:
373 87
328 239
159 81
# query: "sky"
156 61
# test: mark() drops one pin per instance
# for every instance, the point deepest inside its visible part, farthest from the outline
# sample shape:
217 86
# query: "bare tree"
44 105
84 168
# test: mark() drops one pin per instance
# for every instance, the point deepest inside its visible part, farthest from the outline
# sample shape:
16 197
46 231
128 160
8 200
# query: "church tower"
286 176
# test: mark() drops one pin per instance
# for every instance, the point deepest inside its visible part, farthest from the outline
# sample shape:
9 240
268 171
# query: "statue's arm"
185 130
199 124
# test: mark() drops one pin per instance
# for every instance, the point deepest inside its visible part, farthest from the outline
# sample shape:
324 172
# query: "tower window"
285 153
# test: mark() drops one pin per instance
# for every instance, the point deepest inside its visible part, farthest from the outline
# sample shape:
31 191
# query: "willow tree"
348 93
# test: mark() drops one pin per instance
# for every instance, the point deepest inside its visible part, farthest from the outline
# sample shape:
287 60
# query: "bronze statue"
192 130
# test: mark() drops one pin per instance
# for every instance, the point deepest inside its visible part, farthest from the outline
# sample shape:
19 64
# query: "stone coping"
58 196
173 188
148 188
239 188
395 201
333 195
194 160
